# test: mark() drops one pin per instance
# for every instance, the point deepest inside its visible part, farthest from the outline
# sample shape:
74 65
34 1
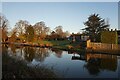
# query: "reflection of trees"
29 53
70 52
98 62
4 49
58 53
41 54
109 64
93 66
13 48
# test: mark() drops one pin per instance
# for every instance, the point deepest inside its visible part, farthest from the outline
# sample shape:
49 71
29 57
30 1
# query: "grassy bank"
12 68
64 45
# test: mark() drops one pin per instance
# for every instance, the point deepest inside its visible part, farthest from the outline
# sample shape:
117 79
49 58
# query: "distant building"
78 38
84 37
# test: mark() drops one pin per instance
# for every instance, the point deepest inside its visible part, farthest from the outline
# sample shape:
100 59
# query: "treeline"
39 31
25 32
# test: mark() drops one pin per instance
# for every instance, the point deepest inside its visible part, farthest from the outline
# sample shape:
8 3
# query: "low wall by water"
103 46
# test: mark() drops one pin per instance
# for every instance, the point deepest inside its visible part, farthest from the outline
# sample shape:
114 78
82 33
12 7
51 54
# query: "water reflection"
94 64
78 57
13 48
99 62
41 54
58 53
29 53
4 49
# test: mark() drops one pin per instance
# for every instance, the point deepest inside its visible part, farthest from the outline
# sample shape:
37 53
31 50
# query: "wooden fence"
102 46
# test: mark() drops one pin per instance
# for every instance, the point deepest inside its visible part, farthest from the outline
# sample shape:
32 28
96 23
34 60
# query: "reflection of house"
98 61
78 37
104 61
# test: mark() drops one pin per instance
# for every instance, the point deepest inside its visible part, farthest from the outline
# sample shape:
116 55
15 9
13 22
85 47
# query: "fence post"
88 44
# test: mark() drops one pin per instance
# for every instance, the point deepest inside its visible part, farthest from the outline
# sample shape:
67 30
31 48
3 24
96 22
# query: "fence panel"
103 46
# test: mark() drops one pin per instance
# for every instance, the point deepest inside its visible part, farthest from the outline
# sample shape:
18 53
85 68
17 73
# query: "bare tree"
21 26
66 34
3 22
3 27
59 31
41 30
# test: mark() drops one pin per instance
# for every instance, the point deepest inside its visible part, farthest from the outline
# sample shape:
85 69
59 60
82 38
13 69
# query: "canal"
66 64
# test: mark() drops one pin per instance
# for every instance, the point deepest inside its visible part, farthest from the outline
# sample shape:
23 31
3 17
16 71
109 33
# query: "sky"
70 15
0 7
59 0
119 15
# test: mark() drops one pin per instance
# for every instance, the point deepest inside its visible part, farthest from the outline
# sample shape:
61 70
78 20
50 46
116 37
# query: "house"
118 33
78 38
75 38
109 36
84 37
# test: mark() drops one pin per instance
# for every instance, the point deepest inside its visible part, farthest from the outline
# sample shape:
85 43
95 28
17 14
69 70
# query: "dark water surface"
67 64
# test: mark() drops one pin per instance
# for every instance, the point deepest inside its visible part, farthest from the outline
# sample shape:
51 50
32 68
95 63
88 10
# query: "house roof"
75 35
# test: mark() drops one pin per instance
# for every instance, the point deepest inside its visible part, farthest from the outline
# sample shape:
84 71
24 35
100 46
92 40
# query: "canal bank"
67 47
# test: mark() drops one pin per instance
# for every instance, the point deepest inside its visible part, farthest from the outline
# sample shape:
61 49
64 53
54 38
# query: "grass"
53 42
67 45
64 45
61 44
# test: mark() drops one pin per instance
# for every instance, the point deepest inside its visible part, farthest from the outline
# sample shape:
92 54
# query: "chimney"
111 29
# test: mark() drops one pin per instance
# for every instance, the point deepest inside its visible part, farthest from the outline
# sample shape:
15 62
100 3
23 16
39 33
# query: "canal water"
67 64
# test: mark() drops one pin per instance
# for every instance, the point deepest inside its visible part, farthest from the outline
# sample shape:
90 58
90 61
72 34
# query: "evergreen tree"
94 25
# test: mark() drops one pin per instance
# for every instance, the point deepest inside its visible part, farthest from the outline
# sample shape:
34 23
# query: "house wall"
118 39
109 37
84 38
75 38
